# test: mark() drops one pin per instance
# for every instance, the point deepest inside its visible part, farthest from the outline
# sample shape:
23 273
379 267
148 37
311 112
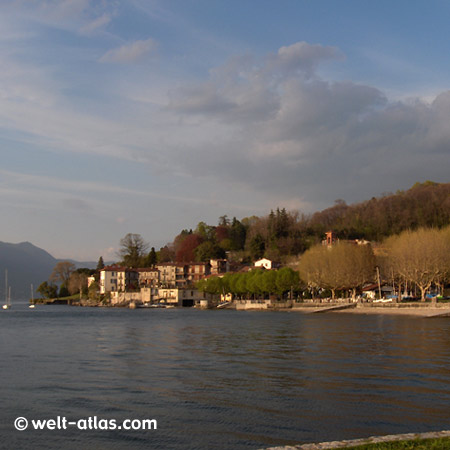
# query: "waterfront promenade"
411 309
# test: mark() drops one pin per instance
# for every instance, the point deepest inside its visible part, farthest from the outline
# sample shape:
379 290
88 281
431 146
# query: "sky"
149 116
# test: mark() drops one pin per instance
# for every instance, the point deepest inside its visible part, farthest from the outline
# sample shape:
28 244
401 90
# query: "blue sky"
147 117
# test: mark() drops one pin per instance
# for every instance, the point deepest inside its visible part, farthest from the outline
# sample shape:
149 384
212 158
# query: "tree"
93 291
165 254
254 282
207 250
62 271
47 290
224 221
269 282
132 250
238 234
257 247
206 232
100 264
77 282
63 291
152 258
186 250
421 257
340 267
287 280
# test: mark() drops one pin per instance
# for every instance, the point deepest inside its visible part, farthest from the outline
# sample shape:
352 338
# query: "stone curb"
370 440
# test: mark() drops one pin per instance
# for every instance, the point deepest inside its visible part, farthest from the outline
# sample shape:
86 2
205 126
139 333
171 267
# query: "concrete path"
335 308
371 440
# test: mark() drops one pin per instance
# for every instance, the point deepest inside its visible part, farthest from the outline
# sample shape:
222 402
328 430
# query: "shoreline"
375 440
417 310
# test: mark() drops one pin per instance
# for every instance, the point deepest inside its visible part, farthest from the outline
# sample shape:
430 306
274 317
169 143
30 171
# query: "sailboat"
7 304
32 298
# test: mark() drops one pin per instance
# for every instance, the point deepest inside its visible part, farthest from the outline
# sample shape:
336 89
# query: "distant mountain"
82 264
27 265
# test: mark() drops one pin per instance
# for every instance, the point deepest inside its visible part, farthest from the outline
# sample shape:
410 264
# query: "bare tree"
77 282
133 249
421 257
341 267
62 271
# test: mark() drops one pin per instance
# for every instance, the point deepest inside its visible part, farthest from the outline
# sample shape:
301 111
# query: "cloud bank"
290 132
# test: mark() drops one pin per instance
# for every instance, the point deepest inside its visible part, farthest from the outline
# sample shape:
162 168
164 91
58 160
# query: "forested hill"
281 233
424 205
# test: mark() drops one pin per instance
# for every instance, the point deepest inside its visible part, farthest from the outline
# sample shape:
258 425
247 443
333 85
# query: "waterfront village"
177 284
265 284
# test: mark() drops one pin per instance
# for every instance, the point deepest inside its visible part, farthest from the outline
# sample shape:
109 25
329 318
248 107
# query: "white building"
180 297
118 279
264 263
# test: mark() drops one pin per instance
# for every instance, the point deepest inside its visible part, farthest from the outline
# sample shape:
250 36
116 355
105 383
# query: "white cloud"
130 53
294 133
302 57
96 24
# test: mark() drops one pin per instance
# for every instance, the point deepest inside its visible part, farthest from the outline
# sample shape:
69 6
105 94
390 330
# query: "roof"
115 268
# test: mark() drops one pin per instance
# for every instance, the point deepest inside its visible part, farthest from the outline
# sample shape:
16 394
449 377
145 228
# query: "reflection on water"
220 379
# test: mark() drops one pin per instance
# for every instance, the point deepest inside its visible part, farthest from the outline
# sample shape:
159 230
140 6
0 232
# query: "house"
90 280
372 291
198 271
219 266
148 277
179 297
117 278
172 275
108 279
265 263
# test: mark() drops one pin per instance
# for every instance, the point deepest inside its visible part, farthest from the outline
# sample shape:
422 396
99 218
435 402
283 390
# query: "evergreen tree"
152 258
100 264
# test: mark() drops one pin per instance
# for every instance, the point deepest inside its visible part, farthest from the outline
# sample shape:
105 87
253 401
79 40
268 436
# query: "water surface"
220 379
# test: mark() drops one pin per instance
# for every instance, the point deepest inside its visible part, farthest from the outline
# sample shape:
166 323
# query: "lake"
219 379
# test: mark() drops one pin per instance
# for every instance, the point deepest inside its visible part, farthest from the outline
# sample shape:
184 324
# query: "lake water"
219 379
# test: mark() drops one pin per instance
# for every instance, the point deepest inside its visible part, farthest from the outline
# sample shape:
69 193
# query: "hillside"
26 265
424 205
282 233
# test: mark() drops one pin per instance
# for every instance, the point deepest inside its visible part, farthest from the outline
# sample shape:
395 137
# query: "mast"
6 286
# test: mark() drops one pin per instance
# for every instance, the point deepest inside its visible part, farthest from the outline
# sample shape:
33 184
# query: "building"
265 263
172 275
330 238
90 280
197 271
180 297
148 277
118 279
219 266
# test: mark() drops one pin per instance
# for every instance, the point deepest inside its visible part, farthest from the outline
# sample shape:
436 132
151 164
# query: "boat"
7 304
32 305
